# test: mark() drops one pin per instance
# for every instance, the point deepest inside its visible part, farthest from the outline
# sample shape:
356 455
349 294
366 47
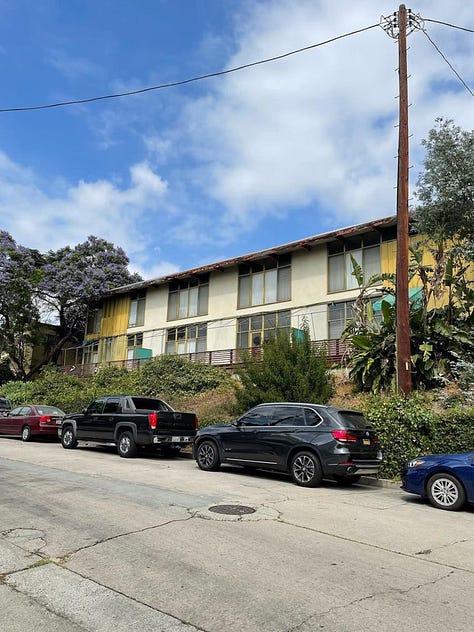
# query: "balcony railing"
225 358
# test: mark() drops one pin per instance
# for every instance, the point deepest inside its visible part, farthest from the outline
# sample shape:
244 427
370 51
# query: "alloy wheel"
206 455
303 468
444 492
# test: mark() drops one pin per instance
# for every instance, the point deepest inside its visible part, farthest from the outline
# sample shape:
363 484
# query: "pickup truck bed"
130 422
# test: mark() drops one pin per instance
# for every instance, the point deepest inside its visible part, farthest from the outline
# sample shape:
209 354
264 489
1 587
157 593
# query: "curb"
380 482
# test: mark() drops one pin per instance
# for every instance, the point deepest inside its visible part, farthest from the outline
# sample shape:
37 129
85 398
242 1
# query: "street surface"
92 542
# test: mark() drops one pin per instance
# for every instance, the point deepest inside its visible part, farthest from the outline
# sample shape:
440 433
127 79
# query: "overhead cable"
184 81
449 64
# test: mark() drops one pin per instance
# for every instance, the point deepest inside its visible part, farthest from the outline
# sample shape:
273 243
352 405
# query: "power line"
454 26
449 64
185 81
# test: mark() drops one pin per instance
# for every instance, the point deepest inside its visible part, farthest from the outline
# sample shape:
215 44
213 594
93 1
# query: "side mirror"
237 422
84 411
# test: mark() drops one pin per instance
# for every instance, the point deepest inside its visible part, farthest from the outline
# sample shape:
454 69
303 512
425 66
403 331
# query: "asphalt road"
90 541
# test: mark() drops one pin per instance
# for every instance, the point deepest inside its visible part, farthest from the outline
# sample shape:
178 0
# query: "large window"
137 309
188 297
91 353
134 341
265 282
187 339
253 330
365 249
338 315
93 320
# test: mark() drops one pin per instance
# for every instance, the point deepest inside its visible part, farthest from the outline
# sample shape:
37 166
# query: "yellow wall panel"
115 312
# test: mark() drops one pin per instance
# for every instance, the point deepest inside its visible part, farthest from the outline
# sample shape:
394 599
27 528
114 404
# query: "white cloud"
317 129
72 67
45 221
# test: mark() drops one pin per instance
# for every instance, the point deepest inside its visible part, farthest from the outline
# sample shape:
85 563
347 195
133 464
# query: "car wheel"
68 438
26 433
207 456
305 469
126 446
347 481
445 492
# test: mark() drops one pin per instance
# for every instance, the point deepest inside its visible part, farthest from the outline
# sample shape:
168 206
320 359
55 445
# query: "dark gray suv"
310 441
5 405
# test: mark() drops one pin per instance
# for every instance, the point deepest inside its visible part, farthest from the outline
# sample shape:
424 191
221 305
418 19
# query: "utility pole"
396 26
403 355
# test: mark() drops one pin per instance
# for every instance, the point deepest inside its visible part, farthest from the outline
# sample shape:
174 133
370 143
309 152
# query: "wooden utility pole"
404 382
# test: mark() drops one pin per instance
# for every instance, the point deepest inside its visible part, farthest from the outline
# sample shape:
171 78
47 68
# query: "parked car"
5 405
130 422
32 420
310 441
447 480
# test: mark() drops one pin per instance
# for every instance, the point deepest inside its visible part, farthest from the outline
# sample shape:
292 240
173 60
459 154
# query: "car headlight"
415 463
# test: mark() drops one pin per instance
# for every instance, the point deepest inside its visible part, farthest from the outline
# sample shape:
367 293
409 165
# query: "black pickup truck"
130 421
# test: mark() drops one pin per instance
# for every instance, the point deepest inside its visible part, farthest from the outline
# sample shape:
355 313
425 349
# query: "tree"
289 368
446 187
19 313
73 279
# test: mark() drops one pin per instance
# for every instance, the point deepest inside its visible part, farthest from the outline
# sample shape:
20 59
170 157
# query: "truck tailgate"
176 423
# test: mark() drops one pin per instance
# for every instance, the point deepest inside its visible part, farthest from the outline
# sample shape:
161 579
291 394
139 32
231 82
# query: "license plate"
366 441
179 439
59 422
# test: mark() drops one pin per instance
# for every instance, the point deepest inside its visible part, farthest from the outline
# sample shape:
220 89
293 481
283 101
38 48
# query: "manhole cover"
232 510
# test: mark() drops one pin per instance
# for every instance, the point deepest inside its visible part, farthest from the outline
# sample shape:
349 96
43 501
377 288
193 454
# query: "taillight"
45 419
343 436
375 440
197 421
152 420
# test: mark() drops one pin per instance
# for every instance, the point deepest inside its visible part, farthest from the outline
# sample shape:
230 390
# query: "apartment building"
215 310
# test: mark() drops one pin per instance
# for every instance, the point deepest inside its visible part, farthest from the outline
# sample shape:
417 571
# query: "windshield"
49 410
352 419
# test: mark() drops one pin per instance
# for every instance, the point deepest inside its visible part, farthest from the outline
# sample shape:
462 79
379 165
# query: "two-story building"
215 310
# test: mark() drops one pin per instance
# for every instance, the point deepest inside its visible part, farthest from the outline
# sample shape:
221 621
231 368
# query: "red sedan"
31 420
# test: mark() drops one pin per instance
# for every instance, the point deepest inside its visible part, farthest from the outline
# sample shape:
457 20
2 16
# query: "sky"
190 175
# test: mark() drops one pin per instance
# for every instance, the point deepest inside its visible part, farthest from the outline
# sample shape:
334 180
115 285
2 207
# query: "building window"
188 297
108 349
94 318
339 314
134 341
187 339
253 330
137 309
91 354
365 249
265 282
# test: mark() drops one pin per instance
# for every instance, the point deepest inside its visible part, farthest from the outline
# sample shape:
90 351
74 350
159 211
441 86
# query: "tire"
445 492
126 446
207 456
68 438
347 481
26 433
305 469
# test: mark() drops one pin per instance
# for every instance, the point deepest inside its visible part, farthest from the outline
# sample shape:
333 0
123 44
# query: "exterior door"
88 426
245 443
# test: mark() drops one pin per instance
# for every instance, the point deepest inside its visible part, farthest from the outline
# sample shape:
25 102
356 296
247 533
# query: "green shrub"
289 369
408 427
167 375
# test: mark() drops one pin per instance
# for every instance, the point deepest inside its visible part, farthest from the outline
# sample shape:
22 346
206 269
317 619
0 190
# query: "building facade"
212 312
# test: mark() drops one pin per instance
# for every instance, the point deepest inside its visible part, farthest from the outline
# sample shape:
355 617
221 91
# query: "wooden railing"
225 358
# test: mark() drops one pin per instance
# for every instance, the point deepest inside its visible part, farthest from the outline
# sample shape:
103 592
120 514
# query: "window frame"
138 306
252 332
187 339
180 293
343 250
260 272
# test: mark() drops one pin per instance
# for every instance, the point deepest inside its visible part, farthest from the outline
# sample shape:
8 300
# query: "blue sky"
190 175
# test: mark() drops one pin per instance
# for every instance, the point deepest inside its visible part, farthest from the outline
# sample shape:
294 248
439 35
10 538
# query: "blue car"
447 480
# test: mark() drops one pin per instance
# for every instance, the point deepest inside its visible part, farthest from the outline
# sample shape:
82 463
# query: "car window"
25 411
352 419
112 405
16 411
259 416
312 417
96 407
49 410
288 416
149 403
